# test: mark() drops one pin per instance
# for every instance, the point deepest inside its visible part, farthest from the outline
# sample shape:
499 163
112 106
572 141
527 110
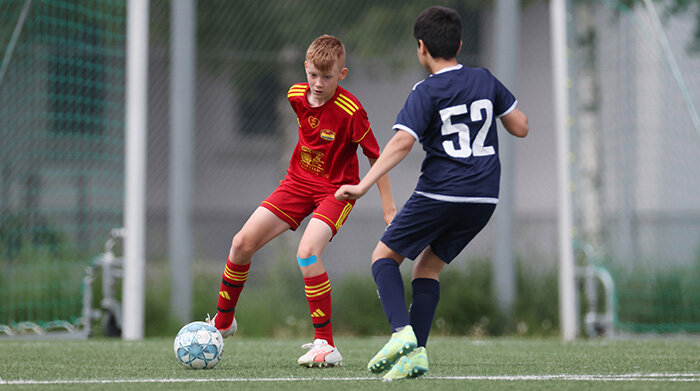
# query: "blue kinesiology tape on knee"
303 262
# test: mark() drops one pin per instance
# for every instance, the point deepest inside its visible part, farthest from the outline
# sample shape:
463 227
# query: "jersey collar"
452 68
334 97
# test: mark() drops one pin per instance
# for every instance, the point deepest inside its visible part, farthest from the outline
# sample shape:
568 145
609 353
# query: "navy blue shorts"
447 227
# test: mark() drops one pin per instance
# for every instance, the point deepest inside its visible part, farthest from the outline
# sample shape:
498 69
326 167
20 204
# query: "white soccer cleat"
225 332
320 354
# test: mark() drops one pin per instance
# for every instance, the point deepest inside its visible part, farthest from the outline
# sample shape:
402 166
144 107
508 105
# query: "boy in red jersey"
332 123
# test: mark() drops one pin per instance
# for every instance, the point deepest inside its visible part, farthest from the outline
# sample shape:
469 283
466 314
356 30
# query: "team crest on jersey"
327 134
312 161
313 121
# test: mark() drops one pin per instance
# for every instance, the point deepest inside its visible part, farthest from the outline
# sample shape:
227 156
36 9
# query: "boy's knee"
382 251
242 244
420 271
305 252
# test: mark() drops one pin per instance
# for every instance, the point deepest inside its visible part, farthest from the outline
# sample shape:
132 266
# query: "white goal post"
568 313
135 189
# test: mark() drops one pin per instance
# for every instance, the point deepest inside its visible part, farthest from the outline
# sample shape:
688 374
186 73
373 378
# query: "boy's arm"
396 149
516 123
384 186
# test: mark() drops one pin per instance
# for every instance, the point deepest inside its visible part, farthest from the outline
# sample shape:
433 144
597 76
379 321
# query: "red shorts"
292 202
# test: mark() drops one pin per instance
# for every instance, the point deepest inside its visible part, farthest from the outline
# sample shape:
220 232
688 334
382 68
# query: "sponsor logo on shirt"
312 161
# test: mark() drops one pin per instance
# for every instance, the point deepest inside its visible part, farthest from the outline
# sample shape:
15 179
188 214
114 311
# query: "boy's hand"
349 192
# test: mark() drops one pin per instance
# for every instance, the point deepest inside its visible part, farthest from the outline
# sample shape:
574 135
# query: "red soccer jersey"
326 153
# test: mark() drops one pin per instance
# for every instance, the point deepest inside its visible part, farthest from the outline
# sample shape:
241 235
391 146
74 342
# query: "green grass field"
456 363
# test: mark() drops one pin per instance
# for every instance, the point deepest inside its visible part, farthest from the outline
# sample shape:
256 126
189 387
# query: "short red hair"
326 51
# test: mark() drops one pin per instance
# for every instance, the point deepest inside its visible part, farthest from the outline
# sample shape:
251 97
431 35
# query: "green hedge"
273 303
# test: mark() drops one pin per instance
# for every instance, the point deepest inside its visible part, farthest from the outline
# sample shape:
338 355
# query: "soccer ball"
199 345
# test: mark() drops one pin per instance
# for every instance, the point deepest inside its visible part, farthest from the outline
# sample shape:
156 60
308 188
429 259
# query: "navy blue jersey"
452 114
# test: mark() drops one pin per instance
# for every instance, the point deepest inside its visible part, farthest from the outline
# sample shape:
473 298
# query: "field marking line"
675 377
654 377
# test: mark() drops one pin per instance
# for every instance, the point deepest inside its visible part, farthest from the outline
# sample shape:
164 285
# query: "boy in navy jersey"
451 113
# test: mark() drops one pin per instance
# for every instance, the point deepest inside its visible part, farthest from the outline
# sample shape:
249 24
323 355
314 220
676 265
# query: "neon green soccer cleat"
400 344
414 364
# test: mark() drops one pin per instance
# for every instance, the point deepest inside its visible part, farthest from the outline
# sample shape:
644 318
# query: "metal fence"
248 54
636 145
635 136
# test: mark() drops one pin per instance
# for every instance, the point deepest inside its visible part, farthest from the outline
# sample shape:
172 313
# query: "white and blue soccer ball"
199 345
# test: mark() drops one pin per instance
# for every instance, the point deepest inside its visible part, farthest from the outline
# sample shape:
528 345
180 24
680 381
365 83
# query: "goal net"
61 153
636 154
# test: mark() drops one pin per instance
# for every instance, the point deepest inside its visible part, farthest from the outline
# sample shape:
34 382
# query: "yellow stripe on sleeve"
347 110
296 90
363 136
349 102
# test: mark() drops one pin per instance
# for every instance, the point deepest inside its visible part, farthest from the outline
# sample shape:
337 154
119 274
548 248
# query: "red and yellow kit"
326 153
324 158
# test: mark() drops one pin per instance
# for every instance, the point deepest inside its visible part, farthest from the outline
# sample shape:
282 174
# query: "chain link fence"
61 152
636 144
635 140
248 54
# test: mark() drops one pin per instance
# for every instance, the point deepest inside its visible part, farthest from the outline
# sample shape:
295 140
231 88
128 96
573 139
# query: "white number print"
465 148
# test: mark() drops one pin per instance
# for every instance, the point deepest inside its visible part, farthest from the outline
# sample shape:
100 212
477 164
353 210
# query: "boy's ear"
421 47
343 73
460 48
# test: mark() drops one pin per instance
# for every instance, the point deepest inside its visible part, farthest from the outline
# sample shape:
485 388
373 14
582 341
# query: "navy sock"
426 294
390 287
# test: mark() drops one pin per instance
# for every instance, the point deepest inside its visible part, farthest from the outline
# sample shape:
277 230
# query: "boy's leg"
261 227
467 221
385 269
317 287
387 276
426 294
328 217
418 223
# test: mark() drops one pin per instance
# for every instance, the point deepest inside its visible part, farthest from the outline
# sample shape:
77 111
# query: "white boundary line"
653 377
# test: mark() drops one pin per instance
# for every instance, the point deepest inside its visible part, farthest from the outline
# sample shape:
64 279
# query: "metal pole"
135 189
14 38
182 93
508 26
567 294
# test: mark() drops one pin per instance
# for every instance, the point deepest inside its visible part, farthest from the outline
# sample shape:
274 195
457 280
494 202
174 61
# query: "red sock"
234 278
318 294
